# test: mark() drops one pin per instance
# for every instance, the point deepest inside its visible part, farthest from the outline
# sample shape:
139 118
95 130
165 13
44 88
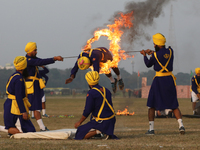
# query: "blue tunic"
17 88
35 98
97 56
162 94
194 85
93 103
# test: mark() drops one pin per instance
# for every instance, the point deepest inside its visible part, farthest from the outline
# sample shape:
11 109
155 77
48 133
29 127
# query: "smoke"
144 14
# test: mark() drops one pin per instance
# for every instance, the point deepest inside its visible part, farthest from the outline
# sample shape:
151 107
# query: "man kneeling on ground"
16 106
99 103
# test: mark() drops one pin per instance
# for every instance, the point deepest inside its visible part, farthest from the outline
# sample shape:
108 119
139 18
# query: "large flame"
114 35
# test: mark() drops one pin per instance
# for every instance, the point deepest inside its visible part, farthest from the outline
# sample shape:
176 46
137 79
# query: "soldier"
35 82
95 57
99 103
162 94
16 106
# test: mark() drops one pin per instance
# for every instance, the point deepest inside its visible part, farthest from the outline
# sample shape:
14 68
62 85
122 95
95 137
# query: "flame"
114 35
125 112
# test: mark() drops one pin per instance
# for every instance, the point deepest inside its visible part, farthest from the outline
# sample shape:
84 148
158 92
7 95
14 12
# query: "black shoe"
46 129
150 132
114 85
100 135
9 135
121 84
182 130
169 115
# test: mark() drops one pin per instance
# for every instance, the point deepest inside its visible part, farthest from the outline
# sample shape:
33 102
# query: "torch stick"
119 52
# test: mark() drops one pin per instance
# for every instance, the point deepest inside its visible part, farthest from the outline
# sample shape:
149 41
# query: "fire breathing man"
95 57
16 106
99 103
34 82
162 94
195 89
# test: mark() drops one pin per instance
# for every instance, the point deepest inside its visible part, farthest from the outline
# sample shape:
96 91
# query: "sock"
118 77
151 125
180 123
43 111
32 114
41 124
194 111
18 125
112 79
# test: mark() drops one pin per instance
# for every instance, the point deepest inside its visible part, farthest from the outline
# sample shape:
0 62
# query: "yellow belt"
15 108
41 81
162 74
98 118
11 96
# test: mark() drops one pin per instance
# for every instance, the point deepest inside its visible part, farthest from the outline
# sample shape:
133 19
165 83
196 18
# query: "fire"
114 35
125 112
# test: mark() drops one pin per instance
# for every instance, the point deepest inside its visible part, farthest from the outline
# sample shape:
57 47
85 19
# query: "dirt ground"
130 129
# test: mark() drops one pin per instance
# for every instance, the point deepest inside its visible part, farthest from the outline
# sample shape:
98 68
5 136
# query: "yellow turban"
197 70
159 39
30 46
20 62
92 77
83 63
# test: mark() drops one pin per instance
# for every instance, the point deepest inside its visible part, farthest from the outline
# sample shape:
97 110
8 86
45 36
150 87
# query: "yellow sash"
41 81
14 107
198 87
163 67
102 106
29 84
161 73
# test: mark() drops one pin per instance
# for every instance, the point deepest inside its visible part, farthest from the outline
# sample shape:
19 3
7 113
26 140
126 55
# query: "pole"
71 57
131 51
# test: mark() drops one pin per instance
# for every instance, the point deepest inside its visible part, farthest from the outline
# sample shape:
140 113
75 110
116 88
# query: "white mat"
53 134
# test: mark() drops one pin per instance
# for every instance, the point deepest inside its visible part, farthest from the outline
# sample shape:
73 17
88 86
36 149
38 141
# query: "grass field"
130 129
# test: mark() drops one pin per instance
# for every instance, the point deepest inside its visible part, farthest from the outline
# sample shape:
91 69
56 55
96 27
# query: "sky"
62 28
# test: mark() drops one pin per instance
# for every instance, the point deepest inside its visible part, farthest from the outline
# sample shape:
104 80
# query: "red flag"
138 74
